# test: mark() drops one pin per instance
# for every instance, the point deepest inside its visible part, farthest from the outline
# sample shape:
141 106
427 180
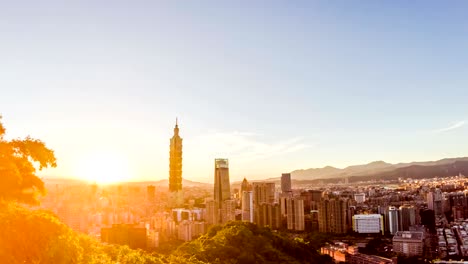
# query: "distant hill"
164 182
381 169
186 183
422 171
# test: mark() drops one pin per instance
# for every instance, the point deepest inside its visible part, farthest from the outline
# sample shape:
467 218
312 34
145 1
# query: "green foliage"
317 240
239 242
18 180
35 236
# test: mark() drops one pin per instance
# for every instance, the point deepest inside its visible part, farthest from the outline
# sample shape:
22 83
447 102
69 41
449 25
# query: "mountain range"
384 170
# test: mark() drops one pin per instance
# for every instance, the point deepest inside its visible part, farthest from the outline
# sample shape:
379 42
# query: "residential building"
295 214
263 192
247 206
333 215
408 243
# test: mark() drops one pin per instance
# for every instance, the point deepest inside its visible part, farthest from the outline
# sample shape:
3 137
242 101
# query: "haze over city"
273 88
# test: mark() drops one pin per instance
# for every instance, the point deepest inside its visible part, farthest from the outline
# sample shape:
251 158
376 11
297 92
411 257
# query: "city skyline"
273 88
260 131
175 161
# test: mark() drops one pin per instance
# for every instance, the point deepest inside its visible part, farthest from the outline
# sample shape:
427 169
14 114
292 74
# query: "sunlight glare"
104 167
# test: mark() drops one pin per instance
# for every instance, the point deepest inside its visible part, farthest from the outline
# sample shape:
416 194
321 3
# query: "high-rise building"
222 187
268 214
434 202
247 207
212 212
228 211
245 186
175 161
311 200
407 217
263 192
295 214
185 230
286 182
428 219
393 220
333 216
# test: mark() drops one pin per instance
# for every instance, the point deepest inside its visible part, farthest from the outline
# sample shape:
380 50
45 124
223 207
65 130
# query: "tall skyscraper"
175 162
222 188
245 186
286 182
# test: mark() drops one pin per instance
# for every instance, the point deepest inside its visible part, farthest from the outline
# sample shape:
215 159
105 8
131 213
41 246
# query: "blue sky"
272 85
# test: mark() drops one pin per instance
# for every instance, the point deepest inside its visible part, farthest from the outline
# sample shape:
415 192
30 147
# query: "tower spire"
176 128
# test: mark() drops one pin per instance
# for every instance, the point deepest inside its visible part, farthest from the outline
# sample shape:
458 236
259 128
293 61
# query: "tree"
37 236
238 242
19 161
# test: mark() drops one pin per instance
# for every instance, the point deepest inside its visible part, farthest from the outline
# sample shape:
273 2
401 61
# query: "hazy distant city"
233 132
412 210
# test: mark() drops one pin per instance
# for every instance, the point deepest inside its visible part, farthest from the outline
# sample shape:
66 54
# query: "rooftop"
409 235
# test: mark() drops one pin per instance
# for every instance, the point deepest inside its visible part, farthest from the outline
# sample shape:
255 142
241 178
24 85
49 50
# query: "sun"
103 167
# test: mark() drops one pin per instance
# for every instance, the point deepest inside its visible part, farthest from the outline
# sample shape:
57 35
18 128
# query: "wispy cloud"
451 127
244 146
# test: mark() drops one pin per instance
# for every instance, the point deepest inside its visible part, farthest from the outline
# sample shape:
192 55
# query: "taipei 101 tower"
175 167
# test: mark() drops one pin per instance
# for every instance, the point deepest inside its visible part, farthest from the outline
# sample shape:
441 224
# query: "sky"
273 86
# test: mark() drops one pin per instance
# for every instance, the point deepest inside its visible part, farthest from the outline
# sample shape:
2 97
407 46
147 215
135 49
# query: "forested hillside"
35 236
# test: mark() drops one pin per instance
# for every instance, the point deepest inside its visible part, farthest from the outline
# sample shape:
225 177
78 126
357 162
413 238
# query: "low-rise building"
408 243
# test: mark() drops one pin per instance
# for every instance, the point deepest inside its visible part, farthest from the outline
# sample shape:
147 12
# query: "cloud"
244 146
452 127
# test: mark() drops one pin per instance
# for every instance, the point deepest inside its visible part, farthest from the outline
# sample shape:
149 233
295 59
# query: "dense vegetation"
35 236
239 242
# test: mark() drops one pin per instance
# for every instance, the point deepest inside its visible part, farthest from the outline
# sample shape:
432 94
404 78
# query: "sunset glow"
104 167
